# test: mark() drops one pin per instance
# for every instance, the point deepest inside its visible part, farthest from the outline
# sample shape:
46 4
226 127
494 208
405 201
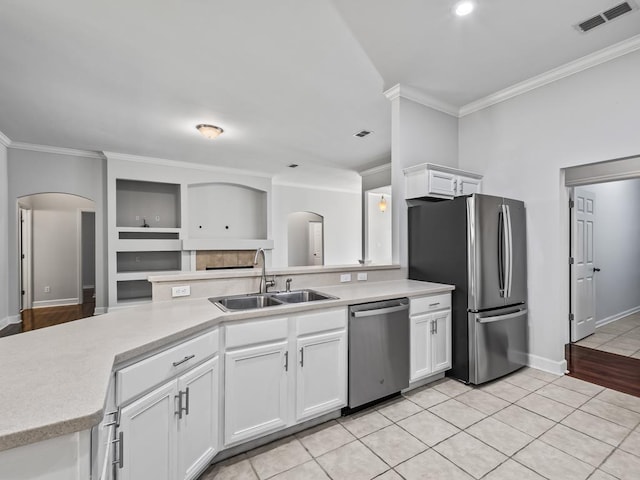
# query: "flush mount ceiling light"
464 7
209 131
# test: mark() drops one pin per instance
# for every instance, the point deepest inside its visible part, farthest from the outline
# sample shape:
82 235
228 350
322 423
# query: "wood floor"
35 318
609 370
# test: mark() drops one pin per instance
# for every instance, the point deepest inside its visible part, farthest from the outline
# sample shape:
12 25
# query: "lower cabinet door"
198 420
441 341
421 327
321 374
147 432
256 385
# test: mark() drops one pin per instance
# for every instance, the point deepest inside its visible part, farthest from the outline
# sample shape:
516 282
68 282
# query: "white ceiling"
290 81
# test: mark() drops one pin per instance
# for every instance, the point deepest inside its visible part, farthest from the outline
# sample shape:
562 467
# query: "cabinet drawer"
428 304
321 322
257 331
141 376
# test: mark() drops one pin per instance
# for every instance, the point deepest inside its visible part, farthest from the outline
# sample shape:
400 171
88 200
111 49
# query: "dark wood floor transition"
603 368
33 319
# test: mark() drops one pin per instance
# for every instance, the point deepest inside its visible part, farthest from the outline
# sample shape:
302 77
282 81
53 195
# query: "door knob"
596 269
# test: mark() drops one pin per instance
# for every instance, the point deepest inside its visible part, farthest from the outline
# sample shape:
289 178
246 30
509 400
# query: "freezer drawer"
498 343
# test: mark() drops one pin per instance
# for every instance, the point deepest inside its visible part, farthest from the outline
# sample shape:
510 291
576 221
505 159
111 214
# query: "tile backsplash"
224 258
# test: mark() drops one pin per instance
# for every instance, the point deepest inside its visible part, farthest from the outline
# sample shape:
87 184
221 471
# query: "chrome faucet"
264 283
288 283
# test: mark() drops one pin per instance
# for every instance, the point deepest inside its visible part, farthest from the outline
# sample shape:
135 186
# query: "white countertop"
54 380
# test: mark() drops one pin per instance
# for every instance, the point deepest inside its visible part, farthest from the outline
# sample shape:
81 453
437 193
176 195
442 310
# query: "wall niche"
226 211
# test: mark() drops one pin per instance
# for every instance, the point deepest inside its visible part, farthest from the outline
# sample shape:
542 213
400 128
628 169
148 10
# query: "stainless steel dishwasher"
378 350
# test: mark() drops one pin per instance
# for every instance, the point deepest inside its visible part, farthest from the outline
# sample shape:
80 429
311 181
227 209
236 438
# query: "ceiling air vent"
591 23
362 133
606 16
617 11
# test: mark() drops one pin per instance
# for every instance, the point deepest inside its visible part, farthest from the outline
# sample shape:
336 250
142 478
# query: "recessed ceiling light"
464 7
362 133
209 131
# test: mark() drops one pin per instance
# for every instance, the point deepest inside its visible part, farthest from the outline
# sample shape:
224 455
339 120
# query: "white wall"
55 238
419 134
616 247
4 212
521 144
378 227
342 215
298 237
33 172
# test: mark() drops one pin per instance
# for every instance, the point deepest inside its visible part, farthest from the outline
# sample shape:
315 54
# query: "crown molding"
588 61
56 150
182 164
309 186
417 96
374 170
4 140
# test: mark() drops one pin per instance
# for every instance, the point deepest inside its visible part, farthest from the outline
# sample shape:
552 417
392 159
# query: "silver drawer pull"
434 304
116 418
185 359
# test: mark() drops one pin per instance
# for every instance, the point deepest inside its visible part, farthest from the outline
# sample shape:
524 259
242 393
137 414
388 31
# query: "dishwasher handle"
379 311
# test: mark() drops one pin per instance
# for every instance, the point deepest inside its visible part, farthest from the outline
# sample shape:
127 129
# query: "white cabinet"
147 441
256 385
198 427
321 374
282 371
430 180
172 431
430 324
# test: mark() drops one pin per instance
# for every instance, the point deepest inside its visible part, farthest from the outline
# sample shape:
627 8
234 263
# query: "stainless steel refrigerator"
478 244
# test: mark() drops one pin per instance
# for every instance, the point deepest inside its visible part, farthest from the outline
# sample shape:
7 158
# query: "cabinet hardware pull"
435 327
116 418
120 441
434 304
185 359
181 407
302 356
432 327
286 361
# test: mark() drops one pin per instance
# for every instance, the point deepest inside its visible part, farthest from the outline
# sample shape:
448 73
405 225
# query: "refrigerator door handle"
509 251
498 318
502 251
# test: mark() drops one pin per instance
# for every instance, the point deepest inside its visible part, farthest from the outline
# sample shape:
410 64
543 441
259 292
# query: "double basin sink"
252 301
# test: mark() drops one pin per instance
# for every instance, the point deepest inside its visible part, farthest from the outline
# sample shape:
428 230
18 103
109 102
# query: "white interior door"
583 322
25 259
315 243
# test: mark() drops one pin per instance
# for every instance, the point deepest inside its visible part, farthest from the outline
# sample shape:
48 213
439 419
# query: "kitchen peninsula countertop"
54 380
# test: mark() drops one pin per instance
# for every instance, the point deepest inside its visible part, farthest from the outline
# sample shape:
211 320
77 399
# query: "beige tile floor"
530 425
621 337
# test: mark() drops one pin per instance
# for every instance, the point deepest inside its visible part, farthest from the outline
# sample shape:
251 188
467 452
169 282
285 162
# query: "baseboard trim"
55 303
10 320
99 311
612 318
547 365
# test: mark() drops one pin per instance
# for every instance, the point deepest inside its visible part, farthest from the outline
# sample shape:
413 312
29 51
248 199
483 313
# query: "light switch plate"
362 276
182 291
345 277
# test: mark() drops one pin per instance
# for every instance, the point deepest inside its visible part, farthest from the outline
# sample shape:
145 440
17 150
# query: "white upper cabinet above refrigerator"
430 180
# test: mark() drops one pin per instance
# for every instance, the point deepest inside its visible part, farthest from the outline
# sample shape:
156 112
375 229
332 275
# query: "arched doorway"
57 258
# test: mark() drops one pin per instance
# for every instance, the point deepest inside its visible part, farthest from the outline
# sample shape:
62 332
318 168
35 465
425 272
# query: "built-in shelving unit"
161 212
147 237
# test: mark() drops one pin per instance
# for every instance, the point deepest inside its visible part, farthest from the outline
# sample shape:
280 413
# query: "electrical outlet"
345 277
137 218
157 218
362 276
182 291
47 289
